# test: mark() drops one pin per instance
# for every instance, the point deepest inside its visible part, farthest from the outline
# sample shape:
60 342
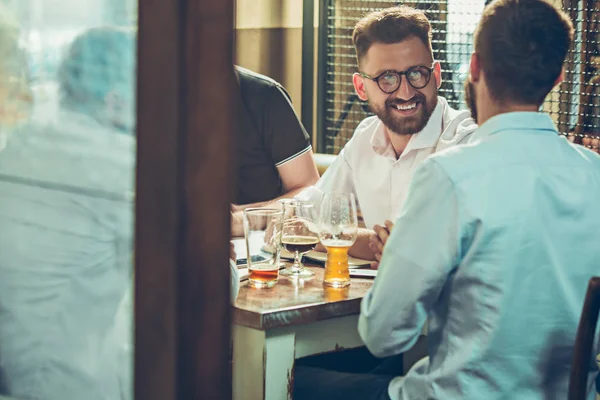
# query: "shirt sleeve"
337 178
422 250
457 133
235 281
285 135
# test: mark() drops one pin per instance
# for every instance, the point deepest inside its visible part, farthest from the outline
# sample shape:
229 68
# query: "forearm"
360 248
269 203
296 175
237 215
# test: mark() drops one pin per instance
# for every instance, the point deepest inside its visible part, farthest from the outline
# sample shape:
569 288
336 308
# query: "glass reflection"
67 129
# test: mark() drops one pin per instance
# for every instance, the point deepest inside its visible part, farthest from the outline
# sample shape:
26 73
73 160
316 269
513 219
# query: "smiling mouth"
406 107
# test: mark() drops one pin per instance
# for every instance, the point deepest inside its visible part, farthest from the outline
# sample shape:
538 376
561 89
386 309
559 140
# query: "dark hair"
522 45
390 25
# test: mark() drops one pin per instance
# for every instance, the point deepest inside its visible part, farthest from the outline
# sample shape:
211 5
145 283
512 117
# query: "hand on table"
378 240
232 254
237 222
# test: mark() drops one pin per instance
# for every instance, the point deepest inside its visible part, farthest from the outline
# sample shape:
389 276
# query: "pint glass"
262 229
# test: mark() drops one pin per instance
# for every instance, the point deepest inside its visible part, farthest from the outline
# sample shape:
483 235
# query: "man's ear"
359 86
474 68
437 74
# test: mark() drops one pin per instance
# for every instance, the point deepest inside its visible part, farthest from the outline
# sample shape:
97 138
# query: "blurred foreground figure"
66 227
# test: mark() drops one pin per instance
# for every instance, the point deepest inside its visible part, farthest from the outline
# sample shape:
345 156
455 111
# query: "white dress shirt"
494 248
367 165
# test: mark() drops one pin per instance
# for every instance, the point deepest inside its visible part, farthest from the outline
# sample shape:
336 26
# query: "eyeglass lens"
418 78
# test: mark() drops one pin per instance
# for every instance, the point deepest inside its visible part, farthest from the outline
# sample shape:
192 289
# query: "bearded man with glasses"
399 79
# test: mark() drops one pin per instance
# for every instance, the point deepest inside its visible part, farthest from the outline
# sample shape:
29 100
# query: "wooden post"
185 121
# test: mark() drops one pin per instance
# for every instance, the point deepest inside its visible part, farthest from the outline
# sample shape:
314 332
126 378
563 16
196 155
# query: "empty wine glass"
300 234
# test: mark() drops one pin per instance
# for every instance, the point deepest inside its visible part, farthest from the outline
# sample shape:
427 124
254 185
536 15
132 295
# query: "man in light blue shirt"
496 241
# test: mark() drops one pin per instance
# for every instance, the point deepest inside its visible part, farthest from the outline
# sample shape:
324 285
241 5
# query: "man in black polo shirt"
274 156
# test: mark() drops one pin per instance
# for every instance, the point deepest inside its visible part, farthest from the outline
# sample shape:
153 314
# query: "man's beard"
470 98
406 125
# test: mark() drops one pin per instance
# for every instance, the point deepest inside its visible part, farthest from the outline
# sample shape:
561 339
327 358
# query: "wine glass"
338 231
299 235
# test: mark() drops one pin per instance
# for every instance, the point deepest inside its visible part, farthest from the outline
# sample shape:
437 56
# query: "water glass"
262 230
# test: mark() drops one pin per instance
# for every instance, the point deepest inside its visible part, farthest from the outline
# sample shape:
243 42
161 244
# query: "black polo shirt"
269 134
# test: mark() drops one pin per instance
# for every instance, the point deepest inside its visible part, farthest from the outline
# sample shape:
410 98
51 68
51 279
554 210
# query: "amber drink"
337 272
263 274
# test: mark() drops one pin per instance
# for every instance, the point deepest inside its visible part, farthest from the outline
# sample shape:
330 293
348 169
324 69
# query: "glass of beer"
262 229
338 230
300 234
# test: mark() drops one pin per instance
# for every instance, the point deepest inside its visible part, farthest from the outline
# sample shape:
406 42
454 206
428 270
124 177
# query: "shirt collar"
380 142
515 121
426 138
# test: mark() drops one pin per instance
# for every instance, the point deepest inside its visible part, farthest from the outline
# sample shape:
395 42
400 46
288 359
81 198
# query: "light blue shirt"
493 249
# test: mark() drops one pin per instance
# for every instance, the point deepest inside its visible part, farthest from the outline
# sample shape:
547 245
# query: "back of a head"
100 62
389 26
522 45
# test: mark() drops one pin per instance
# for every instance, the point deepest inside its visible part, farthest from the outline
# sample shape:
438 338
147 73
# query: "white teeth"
406 107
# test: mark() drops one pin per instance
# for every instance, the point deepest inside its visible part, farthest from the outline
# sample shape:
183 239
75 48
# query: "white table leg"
326 336
263 364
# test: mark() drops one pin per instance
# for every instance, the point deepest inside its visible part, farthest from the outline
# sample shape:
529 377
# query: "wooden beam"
185 117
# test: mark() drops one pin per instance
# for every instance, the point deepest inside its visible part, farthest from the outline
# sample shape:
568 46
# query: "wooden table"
273 327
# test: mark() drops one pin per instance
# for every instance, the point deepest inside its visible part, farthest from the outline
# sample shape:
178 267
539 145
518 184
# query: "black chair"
584 342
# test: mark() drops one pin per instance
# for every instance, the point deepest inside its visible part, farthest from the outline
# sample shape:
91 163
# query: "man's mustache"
415 98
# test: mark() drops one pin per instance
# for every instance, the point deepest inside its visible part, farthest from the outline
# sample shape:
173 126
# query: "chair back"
323 161
584 342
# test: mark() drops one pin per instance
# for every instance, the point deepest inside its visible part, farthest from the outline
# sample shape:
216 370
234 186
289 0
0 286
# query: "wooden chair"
584 342
323 161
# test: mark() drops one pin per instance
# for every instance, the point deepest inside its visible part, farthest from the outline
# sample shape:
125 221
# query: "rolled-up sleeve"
422 250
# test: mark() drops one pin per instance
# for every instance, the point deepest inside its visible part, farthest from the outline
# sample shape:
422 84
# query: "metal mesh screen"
574 105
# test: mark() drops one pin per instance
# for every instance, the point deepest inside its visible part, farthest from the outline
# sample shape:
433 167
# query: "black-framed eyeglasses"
389 81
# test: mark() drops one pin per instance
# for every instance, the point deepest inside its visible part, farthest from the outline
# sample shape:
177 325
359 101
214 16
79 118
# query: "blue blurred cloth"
66 230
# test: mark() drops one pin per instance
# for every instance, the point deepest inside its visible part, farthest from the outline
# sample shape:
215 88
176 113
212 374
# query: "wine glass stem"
297 266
